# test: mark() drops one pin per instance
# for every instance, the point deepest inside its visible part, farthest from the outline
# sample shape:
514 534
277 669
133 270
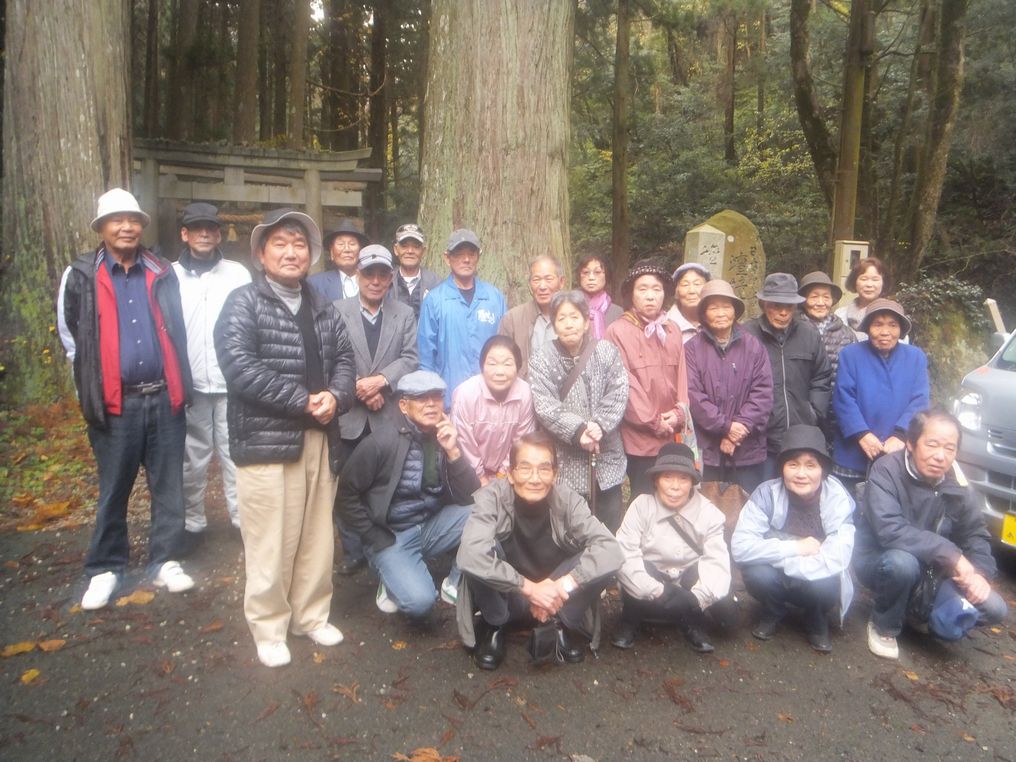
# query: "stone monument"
728 244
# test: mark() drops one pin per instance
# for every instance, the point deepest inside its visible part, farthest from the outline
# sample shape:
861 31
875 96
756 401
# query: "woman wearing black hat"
794 539
676 563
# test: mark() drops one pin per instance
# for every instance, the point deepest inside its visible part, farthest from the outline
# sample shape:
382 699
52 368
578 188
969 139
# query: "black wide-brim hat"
802 437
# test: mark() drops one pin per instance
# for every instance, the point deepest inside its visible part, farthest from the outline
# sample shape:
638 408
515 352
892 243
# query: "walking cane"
592 483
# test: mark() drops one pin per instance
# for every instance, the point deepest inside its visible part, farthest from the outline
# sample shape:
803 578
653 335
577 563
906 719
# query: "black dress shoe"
624 635
818 633
350 566
698 640
766 627
566 646
490 647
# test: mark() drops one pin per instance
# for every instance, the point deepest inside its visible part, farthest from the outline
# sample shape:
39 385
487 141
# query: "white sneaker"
326 635
449 591
100 588
386 604
882 645
172 577
274 654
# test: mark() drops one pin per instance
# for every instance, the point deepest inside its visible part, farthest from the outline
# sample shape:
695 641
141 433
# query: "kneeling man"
406 491
532 550
920 517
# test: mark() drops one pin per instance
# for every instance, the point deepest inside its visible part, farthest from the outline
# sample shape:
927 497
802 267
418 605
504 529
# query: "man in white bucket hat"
121 307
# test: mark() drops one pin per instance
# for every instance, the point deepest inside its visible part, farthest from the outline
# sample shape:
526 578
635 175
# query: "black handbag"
542 645
922 597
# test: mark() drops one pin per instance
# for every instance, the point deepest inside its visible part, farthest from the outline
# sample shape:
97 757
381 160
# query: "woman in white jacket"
794 539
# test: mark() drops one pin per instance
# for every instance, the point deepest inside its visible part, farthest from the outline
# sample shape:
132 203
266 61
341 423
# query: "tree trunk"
150 120
298 72
727 85
809 112
760 72
279 47
181 109
498 108
849 155
377 136
265 105
620 236
393 129
246 86
422 68
81 120
942 113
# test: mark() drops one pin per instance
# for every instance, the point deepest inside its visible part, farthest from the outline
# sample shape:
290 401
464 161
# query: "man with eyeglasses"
532 552
529 324
406 491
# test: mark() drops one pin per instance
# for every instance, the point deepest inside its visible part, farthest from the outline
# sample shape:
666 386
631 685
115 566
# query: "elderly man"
458 315
289 371
206 279
383 336
532 551
802 375
921 526
125 333
412 280
343 246
406 491
530 324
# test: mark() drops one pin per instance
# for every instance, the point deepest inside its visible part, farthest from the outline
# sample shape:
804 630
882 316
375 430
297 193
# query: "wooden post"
149 192
312 187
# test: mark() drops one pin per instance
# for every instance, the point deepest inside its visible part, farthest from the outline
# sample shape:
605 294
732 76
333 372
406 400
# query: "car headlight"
968 411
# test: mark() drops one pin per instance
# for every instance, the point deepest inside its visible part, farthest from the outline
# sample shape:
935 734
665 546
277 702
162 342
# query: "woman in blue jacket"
880 384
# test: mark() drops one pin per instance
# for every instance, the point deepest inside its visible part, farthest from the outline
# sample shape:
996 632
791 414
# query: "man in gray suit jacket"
382 333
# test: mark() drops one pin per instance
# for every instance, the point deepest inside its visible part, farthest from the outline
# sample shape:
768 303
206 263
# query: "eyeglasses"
590 273
525 471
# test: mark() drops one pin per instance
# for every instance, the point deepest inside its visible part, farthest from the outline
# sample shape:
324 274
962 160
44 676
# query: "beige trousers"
286 525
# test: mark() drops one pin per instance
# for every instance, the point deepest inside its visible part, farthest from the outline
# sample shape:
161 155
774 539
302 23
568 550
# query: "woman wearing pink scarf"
653 354
592 274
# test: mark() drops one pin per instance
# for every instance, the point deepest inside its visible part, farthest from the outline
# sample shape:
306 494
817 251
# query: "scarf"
598 307
655 327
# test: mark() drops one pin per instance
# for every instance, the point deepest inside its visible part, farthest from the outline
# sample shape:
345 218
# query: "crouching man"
532 551
921 519
406 491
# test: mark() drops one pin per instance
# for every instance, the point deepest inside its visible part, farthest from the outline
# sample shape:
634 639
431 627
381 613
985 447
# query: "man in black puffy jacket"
406 491
289 373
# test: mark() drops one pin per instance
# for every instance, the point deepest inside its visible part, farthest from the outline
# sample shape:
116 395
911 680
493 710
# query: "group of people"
425 419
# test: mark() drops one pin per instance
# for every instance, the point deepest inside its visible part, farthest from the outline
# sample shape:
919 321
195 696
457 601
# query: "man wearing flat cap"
802 375
412 280
120 306
343 248
289 369
406 491
206 279
382 333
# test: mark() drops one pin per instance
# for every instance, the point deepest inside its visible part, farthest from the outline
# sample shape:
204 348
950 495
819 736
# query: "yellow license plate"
1009 529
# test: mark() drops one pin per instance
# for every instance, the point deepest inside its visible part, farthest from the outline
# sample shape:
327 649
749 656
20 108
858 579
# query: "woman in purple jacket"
730 389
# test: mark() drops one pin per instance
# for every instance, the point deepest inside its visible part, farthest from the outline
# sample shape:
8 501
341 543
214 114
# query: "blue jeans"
402 566
772 588
146 433
892 576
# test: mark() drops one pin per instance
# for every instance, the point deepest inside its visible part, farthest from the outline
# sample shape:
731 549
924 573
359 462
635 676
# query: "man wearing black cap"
206 279
343 248
802 375
412 281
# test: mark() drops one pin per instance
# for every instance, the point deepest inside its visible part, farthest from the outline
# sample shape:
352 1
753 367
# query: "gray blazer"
395 357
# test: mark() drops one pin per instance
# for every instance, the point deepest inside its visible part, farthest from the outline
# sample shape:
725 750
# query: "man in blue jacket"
458 315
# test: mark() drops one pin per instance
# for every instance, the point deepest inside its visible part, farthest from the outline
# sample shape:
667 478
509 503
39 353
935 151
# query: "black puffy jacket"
261 355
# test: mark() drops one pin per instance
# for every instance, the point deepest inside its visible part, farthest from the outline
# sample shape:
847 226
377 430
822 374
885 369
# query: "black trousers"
678 606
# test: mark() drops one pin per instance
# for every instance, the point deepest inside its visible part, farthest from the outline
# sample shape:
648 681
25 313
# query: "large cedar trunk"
298 72
66 141
246 89
620 228
152 43
498 127
377 132
182 91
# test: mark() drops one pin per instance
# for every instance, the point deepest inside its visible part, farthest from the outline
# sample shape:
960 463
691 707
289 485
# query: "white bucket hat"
276 216
117 201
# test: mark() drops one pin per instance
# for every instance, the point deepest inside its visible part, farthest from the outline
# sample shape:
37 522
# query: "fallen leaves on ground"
349 691
670 689
29 676
319 658
137 598
913 676
52 645
428 754
18 648
785 717
213 626
399 645
268 711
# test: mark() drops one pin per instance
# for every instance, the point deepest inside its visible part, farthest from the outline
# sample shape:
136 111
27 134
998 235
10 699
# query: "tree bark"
150 120
728 55
298 73
809 112
620 236
246 87
377 135
181 109
421 124
498 111
66 141
278 50
265 105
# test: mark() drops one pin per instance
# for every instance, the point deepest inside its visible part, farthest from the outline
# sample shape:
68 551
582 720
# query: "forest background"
611 126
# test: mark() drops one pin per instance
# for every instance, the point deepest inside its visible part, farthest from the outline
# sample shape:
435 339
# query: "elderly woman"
794 539
868 281
730 387
580 390
881 383
593 275
493 409
689 279
289 371
820 294
653 354
676 565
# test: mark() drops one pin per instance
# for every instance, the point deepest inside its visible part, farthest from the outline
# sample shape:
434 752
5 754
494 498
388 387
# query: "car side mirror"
998 338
